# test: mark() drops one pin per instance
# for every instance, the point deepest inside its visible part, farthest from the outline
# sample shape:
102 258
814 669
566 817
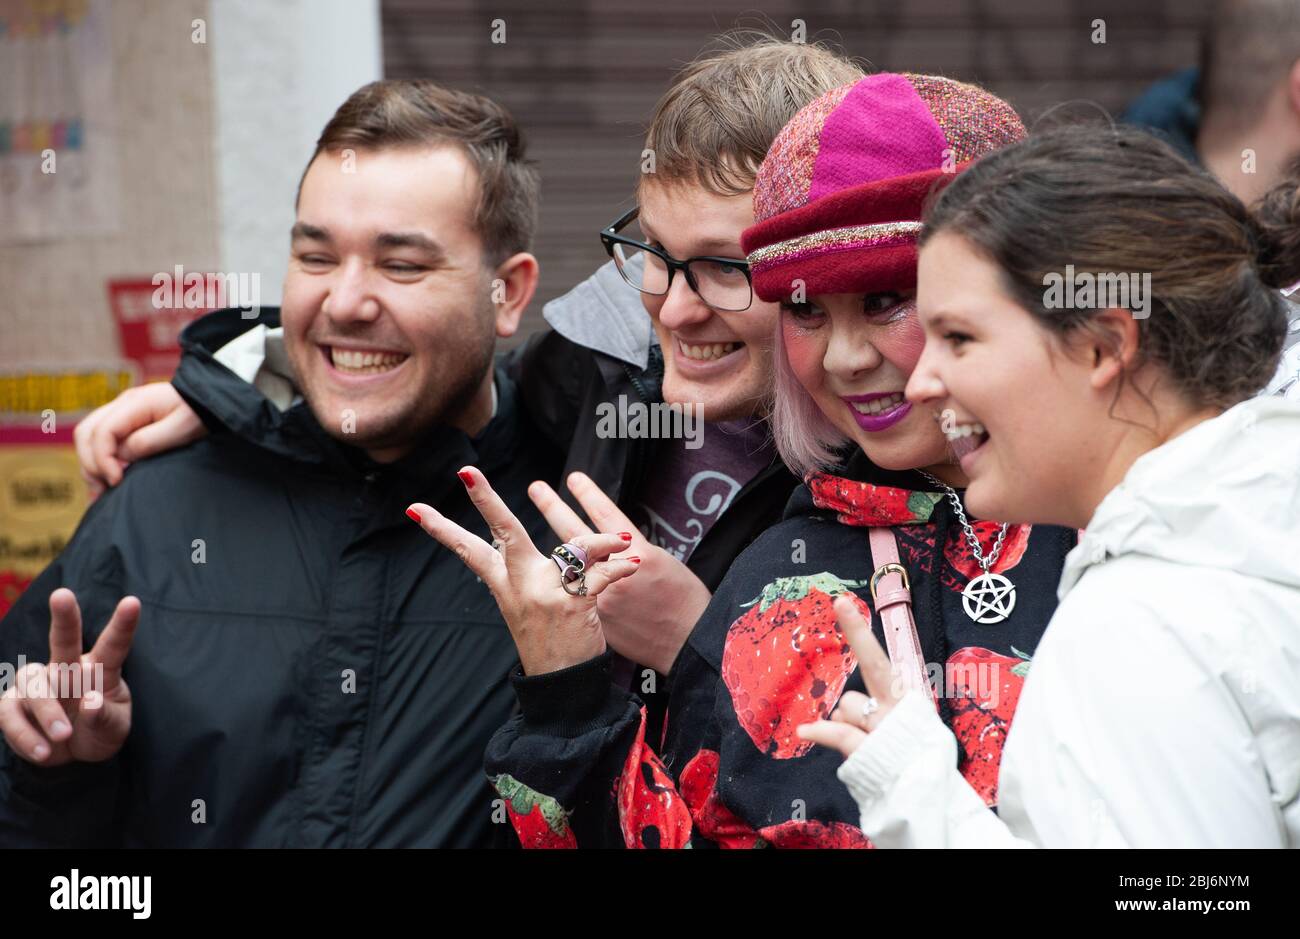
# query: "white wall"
54 308
210 141
279 71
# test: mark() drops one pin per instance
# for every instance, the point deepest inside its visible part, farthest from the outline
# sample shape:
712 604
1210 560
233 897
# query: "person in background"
1238 113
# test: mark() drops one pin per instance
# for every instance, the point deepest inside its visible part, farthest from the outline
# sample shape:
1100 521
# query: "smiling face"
1031 430
721 360
387 314
853 354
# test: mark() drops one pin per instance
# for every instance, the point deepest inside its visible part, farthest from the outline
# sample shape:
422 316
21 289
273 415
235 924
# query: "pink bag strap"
891 594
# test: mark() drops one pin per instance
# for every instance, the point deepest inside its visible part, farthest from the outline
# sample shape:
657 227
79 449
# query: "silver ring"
580 581
869 707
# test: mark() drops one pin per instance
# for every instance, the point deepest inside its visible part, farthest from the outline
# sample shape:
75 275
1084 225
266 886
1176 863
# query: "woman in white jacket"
1098 318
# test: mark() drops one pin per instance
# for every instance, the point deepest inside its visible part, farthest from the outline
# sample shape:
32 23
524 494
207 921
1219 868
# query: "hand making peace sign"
60 712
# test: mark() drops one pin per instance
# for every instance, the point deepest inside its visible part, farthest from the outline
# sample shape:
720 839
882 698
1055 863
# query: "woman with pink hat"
1163 706
961 601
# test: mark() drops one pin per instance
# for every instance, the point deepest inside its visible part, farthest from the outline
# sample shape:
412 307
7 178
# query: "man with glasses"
706 344
722 283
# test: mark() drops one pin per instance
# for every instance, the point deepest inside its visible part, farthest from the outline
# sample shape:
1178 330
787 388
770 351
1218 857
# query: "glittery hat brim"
857 240
861 269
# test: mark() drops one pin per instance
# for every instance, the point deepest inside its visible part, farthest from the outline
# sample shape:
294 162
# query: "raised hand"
62 711
552 628
850 721
648 617
138 423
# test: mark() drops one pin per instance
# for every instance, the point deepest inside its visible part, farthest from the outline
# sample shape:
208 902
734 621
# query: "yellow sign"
42 498
33 392
42 494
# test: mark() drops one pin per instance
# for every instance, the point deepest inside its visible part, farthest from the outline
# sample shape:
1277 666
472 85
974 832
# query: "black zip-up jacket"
328 675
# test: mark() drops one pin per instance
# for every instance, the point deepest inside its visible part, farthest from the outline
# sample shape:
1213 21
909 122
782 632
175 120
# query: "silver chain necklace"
988 598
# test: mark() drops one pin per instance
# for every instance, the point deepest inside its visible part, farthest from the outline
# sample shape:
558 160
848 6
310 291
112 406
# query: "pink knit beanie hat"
838 199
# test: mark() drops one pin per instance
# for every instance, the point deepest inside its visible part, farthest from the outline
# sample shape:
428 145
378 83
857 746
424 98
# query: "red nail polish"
466 478
415 516
635 560
625 535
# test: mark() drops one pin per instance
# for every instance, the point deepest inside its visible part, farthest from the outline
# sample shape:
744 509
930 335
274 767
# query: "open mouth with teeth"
363 362
965 439
879 405
707 351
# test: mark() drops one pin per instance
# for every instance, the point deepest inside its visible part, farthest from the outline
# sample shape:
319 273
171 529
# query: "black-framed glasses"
722 283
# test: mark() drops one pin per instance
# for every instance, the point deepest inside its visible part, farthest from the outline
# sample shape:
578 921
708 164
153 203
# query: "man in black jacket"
308 668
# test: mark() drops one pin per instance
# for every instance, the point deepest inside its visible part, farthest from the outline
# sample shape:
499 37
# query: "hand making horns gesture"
548 601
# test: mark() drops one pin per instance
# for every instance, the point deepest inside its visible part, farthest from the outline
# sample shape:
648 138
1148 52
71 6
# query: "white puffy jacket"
1162 708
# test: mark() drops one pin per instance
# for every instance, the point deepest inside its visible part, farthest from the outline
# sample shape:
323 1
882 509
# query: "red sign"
150 317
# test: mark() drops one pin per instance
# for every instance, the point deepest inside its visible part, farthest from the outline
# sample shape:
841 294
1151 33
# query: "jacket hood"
604 313
1225 494
227 400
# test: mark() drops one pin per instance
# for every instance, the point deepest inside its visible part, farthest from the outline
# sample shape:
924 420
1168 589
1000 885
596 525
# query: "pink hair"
805 437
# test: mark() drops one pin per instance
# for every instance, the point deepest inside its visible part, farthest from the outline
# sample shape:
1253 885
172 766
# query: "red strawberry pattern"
651 813
786 662
539 820
959 554
815 834
865 504
909 512
715 821
984 688
916 547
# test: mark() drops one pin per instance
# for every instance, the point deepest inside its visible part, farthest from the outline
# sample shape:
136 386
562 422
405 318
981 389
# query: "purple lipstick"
886 415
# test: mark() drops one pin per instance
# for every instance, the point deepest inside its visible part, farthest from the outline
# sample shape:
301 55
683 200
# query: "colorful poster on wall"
42 495
58 154
151 312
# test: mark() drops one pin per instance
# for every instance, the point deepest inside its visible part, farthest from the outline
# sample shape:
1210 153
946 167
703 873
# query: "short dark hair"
1115 199
418 112
1249 45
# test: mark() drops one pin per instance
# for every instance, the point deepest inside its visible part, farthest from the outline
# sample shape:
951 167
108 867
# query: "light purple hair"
805 437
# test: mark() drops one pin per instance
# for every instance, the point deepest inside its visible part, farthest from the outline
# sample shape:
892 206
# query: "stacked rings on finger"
572 562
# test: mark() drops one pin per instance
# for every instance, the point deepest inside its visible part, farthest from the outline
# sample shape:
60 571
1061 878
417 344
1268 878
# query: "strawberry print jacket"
575 768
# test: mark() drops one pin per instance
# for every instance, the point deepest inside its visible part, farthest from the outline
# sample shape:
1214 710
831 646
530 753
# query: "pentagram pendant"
989 598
